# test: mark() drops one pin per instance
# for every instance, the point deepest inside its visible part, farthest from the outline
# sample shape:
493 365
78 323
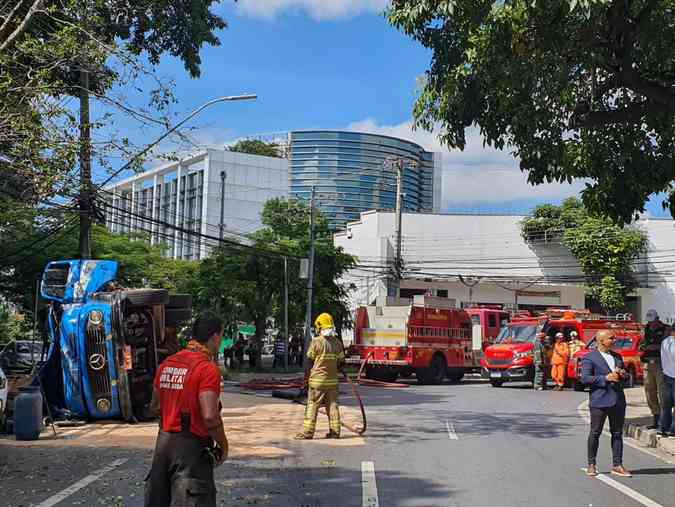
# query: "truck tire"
142 297
179 301
497 383
173 316
434 373
455 375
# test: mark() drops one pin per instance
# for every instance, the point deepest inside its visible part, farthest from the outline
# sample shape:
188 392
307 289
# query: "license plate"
495 374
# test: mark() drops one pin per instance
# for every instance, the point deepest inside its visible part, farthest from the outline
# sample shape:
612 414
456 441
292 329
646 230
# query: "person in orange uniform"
187 395
327 357
559 360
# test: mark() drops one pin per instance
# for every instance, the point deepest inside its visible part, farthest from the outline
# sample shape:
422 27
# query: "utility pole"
85 152
223 175
286 313
399 216
310 282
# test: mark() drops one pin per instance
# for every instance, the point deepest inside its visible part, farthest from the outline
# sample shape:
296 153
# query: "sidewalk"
638 416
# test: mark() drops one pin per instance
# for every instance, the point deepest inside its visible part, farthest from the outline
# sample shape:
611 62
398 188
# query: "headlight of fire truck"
523 355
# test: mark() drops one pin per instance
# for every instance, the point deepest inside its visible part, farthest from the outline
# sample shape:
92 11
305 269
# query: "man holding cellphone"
604 371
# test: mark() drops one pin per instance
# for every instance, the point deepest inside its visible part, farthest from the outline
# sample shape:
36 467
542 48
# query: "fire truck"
430 338
626 344
511 358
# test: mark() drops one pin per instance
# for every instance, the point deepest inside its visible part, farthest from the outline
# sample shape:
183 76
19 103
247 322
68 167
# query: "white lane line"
451 430
62 495
368 485
638 497
582 410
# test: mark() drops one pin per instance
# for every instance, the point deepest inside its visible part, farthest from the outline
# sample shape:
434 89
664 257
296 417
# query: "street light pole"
223 175
399 216
310 281
286 312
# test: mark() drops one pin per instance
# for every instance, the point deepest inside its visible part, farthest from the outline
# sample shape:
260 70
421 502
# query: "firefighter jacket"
655 332
327 354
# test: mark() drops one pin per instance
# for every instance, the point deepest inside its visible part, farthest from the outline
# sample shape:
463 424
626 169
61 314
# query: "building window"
442 293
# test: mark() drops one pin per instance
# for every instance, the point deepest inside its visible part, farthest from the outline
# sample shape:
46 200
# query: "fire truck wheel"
435 373
455 376
497 383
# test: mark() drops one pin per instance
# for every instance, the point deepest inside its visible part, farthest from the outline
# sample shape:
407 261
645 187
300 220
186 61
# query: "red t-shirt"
180 379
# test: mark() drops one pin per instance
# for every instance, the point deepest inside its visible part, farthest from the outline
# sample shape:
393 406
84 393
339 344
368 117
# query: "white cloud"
477 174
317 9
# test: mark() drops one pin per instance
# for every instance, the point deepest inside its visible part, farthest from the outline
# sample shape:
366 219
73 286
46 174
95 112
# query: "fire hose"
302 385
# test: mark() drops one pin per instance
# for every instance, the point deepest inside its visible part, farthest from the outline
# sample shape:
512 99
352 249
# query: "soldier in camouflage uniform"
540 362
327 356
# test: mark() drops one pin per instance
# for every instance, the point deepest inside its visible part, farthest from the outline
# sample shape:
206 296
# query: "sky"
338 64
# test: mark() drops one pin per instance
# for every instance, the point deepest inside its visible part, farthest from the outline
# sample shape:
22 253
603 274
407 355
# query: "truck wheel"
381 374
435 373
180 301
455 375
497 383
142 297
173 316
578 386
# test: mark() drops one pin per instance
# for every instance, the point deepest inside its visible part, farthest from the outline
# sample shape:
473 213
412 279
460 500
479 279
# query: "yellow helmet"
324 321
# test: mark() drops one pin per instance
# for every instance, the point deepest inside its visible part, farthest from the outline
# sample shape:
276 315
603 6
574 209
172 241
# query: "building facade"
483 259
350 175
179 204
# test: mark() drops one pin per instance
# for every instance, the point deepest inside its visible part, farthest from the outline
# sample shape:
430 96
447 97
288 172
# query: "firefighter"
561 355
575 344
650 346
186 393
540 362
327 357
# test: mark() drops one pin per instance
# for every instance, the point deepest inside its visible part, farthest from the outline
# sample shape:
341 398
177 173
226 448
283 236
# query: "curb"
646 437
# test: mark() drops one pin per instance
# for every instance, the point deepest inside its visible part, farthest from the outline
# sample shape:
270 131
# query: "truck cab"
106 341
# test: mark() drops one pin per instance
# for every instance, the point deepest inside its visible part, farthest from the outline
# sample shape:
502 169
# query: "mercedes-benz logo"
96 362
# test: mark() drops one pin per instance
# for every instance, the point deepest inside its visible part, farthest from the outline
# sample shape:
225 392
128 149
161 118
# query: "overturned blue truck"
106 341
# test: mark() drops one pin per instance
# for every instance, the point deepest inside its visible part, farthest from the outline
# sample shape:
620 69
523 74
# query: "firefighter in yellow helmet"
327 356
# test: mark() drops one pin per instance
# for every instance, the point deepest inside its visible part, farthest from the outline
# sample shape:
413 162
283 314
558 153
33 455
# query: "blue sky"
335 64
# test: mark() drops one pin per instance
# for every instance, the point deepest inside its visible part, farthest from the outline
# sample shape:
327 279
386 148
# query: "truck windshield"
517 334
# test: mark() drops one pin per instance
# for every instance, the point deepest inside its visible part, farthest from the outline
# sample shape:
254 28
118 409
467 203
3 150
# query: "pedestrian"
327 356
186 394
280 344
559 360
540 360
650 346
238 350
604 371
575 344
668 364
296 350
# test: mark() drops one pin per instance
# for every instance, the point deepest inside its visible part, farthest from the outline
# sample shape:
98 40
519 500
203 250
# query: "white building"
483 259
188 194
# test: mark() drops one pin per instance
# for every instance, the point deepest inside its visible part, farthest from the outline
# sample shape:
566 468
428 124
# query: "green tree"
256 147
248 281
605 251
575 88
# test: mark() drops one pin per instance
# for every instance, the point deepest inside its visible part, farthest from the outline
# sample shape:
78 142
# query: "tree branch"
10 15
22 26
631 114
654 91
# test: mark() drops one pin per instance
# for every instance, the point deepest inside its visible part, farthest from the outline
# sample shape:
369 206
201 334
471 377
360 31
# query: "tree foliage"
575 88
248 283
605 251
256 147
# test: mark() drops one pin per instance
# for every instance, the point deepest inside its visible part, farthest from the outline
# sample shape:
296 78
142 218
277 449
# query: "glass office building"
350 174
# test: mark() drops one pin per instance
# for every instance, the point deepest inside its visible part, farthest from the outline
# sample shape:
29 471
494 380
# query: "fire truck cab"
429 338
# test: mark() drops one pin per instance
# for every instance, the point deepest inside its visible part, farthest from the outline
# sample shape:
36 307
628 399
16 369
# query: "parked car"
3 398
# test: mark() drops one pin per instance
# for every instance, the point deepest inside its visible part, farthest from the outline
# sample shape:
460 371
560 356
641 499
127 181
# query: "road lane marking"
582 411
638 497
62 495
368 485
451 430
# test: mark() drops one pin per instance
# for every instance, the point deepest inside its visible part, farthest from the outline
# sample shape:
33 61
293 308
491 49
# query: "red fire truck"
511 358
429 338
627 343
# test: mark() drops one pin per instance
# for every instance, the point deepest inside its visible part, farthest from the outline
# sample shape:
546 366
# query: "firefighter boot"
332 434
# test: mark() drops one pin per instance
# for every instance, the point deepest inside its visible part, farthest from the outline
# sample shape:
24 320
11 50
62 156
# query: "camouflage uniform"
540 363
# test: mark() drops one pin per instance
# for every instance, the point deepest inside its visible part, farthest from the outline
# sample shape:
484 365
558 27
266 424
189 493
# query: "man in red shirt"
187 394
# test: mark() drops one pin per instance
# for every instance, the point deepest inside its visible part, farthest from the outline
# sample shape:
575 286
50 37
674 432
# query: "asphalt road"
449 445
